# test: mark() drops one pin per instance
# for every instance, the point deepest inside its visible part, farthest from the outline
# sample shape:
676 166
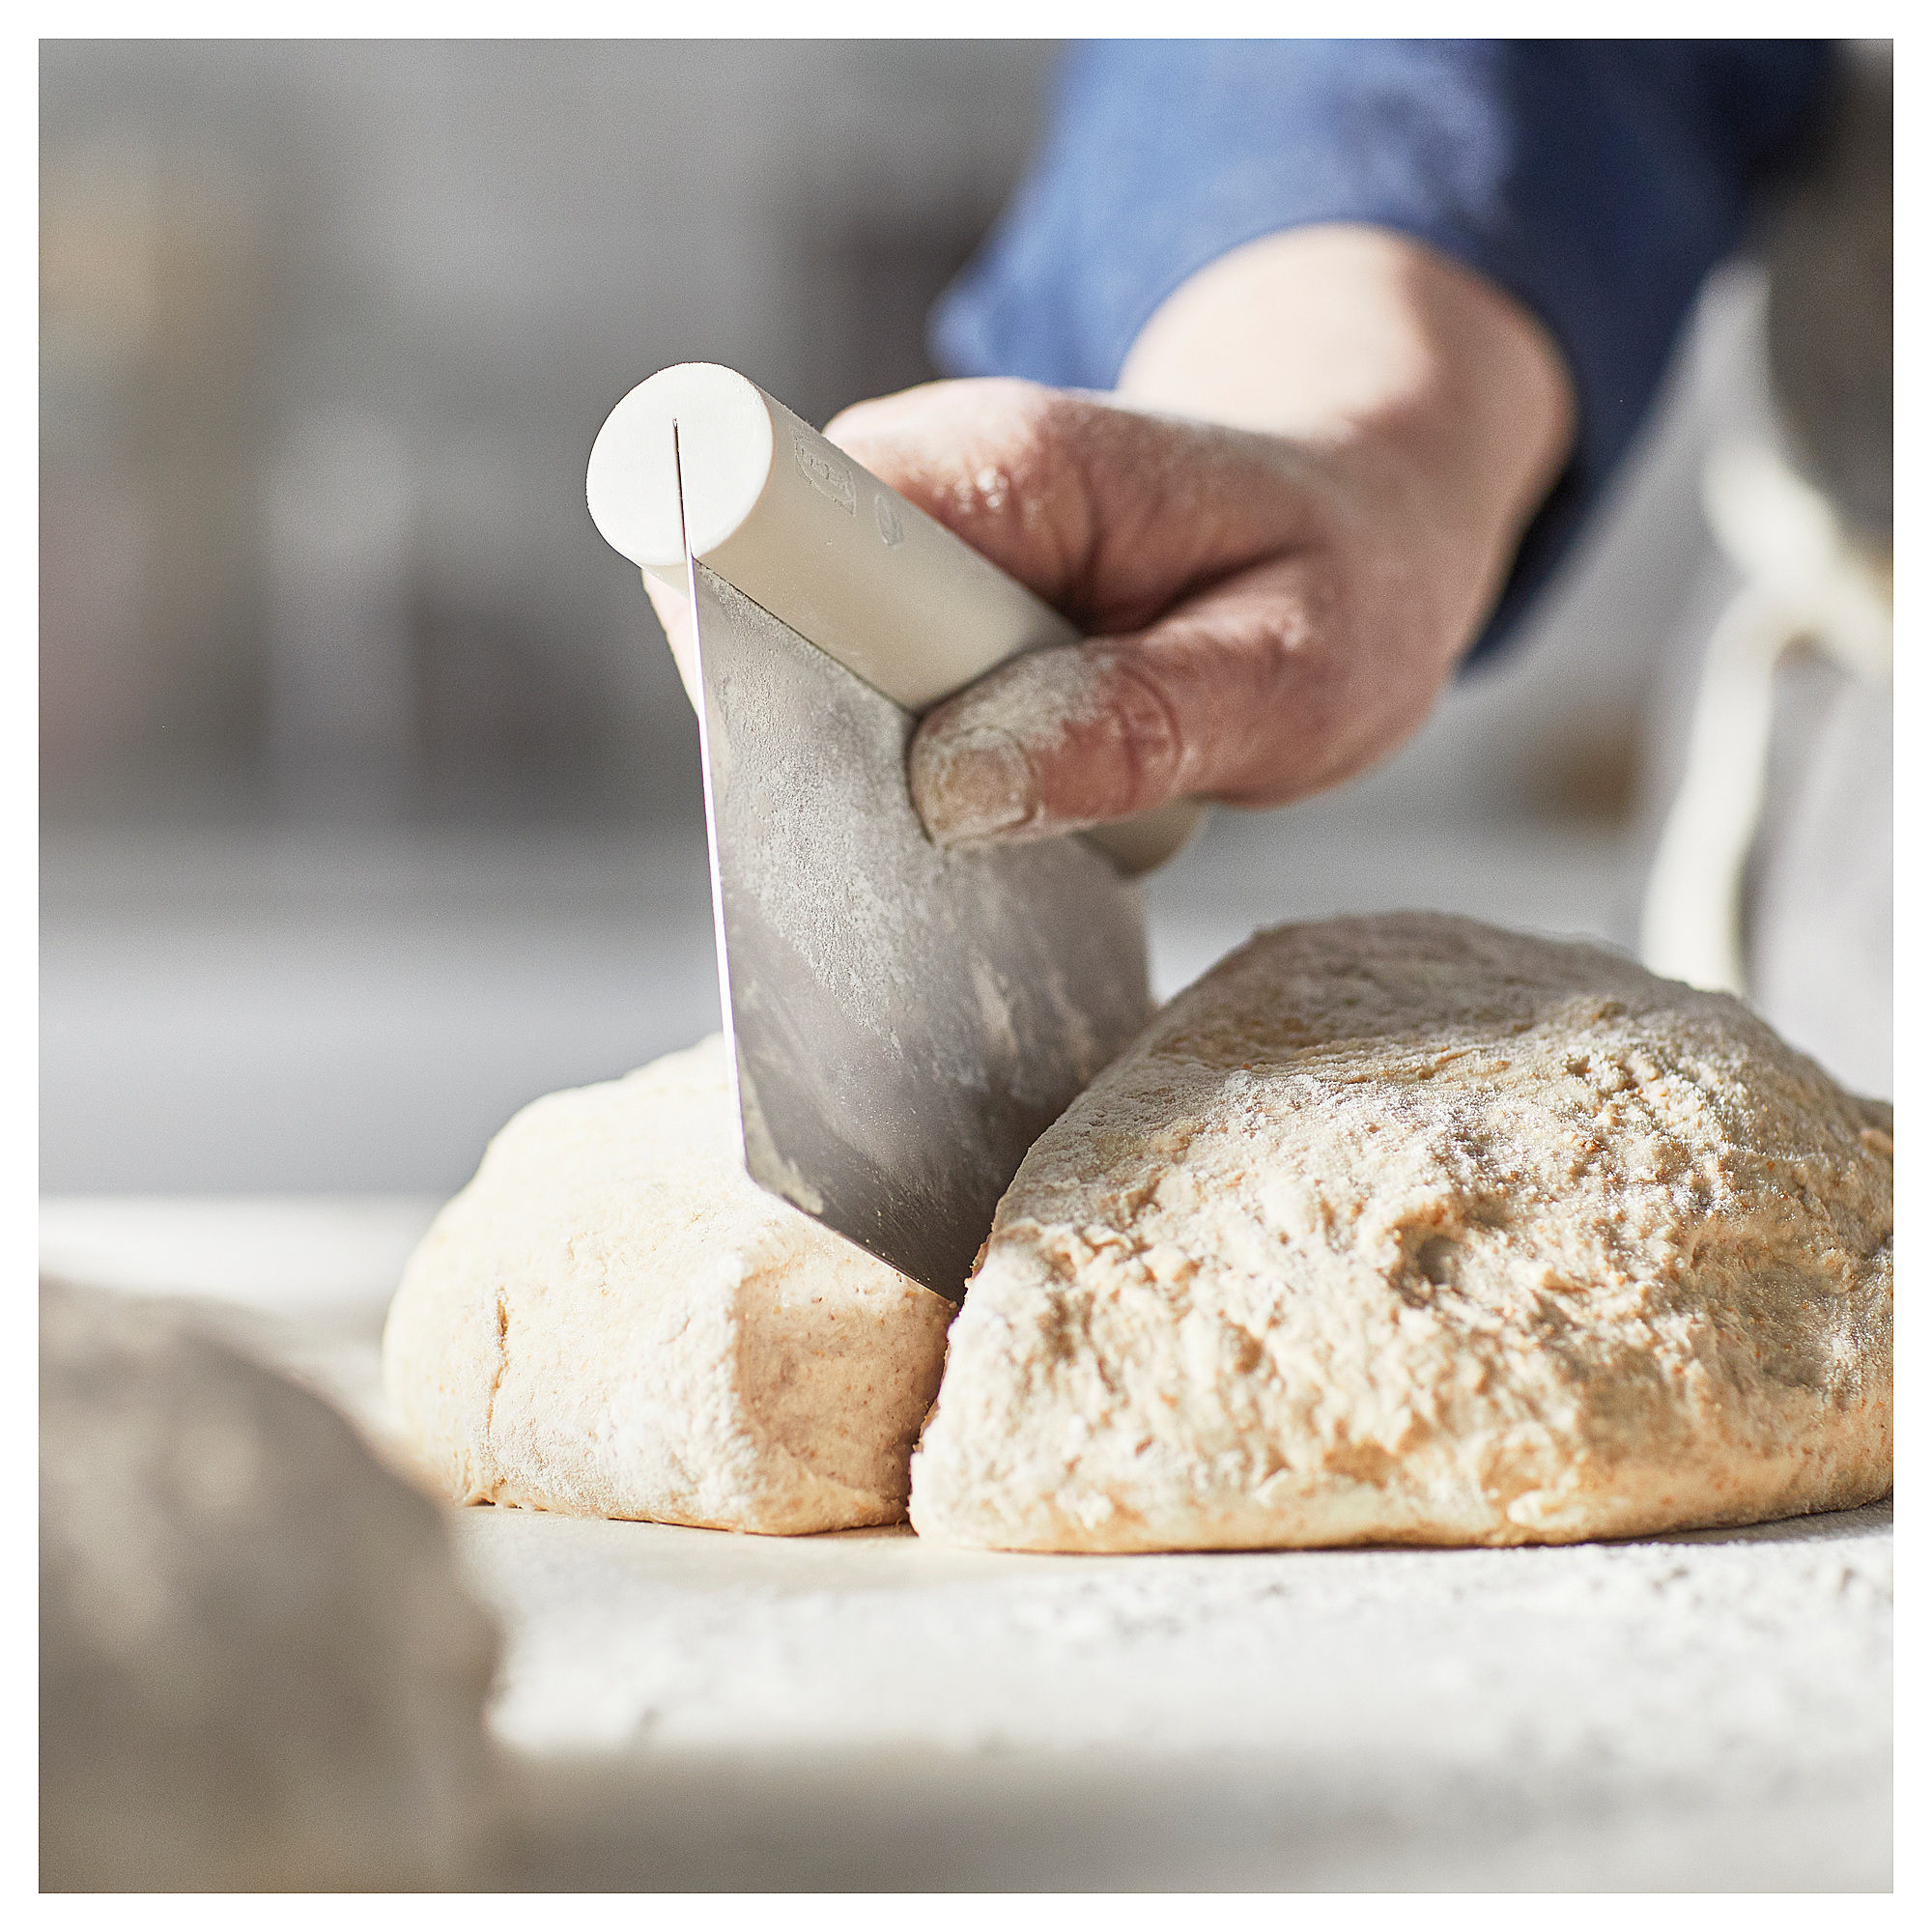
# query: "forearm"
1409 372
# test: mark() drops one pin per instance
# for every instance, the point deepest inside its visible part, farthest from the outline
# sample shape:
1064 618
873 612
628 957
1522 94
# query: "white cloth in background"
1818 913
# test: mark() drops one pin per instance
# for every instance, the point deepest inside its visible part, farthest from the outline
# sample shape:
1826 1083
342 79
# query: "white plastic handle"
825 548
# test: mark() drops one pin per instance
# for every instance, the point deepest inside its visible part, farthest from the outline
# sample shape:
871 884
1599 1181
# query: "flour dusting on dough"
613 1318
1407 1229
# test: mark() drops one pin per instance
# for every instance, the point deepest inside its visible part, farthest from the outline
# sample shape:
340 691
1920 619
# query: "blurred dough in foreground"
613 1318
1407 1229
258 1669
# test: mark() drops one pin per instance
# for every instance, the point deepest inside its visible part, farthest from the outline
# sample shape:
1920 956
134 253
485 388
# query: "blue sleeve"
1597 181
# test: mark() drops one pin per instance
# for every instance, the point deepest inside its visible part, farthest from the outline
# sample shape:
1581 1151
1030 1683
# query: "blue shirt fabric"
1596 180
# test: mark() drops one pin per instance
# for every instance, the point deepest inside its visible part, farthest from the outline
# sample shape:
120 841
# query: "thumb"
1249 694
1055 741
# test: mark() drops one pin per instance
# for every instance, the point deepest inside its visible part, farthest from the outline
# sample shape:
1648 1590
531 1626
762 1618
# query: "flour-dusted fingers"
1269 687
1108 512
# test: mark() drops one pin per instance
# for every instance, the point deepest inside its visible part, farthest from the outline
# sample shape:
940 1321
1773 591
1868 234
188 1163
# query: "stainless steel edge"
904 1021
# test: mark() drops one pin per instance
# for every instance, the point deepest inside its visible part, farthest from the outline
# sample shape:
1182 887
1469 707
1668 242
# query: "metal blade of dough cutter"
903 1021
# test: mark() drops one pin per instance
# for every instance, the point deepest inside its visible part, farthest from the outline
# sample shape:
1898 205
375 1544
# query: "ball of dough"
1405 1229
613 1318
258 1669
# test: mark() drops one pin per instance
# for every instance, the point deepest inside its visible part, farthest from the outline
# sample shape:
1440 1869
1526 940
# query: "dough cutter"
903 1021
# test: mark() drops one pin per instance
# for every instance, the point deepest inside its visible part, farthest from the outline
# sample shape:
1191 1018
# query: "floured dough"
1407 1229
258 1668
613 1320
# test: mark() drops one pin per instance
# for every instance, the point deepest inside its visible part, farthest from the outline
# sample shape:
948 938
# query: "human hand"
1274 594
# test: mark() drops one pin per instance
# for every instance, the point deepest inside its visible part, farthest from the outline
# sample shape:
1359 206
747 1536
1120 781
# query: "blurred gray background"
370 797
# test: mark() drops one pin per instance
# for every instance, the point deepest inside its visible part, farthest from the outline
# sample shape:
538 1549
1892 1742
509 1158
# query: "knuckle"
1149 737
1030 440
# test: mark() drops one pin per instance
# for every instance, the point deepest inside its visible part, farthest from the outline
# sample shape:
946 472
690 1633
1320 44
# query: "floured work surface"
696 1709
866 1710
